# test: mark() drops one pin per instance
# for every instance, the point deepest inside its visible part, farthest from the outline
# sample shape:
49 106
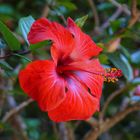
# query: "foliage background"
115 26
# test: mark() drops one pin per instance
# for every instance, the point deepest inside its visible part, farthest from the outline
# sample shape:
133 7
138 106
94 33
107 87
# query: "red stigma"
112 74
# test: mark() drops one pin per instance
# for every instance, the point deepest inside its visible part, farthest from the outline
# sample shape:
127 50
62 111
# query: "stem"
112 18
16 110
109 123
135 14
21 56
12 54
123 7
95 13
110 98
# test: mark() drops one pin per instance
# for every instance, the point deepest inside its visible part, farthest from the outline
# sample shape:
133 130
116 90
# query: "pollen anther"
112 74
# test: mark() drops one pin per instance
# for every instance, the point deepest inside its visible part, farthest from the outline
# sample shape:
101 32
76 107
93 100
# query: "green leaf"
125 52
103 59
122 63
68 5
129 33
1 124
21 56
4 65
135 57
81 21
9 37
39 45
25 24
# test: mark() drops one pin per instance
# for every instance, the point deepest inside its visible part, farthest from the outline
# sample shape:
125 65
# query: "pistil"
109 74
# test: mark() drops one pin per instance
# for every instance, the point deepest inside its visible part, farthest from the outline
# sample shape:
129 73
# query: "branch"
95 13
17 123
134 8
135 14
63 19
93 122
12 54
120 116
112 18
45 11
123 7
16 110
109 123
54 126
63 131
110 98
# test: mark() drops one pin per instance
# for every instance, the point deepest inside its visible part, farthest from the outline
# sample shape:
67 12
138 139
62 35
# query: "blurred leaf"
2 44
117 24
136 81
133 34
1 125
59 11
104 6
125 52
81 21
69 5
103 59
135 98
32 123
122 63
128 43
6 9
9 37
135 57
4 65
33 128
25 24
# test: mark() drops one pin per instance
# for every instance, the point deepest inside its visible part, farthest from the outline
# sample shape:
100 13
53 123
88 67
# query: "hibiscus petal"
40 81
91 75
78 104
85 47
42 29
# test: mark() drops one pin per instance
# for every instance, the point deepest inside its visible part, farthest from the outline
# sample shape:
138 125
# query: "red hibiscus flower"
69 86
